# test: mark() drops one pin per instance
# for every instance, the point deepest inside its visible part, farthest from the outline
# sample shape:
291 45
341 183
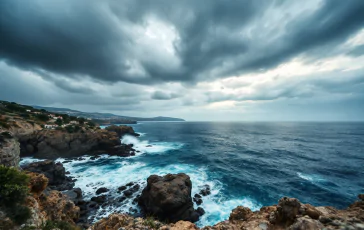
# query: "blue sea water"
247 163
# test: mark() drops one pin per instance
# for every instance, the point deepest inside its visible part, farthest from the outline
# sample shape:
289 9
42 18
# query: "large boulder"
289 209
169 198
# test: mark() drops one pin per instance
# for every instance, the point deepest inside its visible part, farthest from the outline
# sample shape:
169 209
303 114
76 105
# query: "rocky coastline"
166 201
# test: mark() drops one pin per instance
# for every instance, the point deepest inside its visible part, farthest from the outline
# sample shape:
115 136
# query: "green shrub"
19 215
151 222
13 192
50 225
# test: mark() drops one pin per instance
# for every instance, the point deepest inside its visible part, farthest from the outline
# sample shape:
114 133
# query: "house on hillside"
28 110
49 126
74 122
55 118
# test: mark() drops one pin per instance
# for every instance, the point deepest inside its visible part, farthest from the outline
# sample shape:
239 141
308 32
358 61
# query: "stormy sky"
199 60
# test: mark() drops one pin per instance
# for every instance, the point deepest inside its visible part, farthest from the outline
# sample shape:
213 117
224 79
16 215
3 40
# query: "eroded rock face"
55 172
122 130
169 197
9 152
51 144
58 207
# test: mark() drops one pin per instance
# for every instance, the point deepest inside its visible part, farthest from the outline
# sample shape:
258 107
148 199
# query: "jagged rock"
180 225
101 190
200 211
206 190
9 152
99 199
55 172
169 197
197 199
240 213
122 130
52 144
37 183
125 222
304 223
287 211
58 207
122 188
361 197
311 211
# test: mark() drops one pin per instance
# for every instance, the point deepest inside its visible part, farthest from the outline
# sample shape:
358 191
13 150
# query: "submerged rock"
169 198
101 190
206 190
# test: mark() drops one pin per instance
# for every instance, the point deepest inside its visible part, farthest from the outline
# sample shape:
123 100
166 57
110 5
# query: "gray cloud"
357 51
160 95
215 40
308 87
141 58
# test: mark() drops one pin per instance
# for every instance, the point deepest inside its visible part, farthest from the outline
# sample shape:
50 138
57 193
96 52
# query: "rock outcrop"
9 151
169 198
122 130
55 172
51 144
44 205
288 214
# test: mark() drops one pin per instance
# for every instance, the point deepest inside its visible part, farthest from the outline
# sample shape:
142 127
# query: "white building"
74 122
50 126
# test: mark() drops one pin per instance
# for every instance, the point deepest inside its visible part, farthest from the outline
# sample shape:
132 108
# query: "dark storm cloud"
98 39
159 95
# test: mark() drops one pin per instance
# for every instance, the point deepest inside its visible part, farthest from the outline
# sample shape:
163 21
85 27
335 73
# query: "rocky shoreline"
166 201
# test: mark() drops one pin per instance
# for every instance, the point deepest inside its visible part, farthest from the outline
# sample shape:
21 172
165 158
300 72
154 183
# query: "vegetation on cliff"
13 192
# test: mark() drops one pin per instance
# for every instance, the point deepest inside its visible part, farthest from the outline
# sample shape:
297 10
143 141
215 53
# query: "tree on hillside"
42 117
59 122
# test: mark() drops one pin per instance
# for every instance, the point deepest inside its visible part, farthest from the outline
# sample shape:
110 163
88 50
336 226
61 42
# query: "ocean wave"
147 147
310 177
28 160
103 172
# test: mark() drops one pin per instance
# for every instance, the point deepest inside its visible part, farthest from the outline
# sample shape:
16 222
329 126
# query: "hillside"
105 116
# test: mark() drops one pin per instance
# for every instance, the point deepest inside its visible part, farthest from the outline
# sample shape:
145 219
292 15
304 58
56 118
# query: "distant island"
106 118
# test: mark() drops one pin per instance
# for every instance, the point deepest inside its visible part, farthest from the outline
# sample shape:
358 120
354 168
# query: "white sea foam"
28 160
92 174
310 177
147 147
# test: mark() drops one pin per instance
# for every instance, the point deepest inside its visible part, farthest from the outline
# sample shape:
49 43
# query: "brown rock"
312 212
240 213
287 211
306 223
37 183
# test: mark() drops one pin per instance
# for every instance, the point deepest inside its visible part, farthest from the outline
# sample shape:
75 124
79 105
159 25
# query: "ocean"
252 164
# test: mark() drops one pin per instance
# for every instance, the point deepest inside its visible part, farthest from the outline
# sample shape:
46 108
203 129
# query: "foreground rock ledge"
169 198
290 214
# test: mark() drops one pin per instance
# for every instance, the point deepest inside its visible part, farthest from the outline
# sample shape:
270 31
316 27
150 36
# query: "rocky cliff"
9 151
51 144
31 140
